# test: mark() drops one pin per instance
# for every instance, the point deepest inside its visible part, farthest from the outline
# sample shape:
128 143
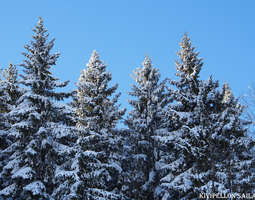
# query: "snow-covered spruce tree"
237 161
95 108
140 176
9 94
95 168
203 132
175 173
41 136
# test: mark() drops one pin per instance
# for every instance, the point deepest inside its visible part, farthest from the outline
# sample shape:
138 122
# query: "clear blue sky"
124 31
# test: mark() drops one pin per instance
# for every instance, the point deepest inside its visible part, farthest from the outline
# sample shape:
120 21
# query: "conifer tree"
41 136
143 122
95 168
237 160
94 106
9 94
185 140
204 133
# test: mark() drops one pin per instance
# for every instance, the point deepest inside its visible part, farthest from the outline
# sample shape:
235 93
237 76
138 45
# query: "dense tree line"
183 137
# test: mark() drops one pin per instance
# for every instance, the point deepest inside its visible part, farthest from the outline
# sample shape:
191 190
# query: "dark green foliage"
37 119
180 141
143 122
208 144
94 170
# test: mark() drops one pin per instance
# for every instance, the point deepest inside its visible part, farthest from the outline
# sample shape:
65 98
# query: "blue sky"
123 32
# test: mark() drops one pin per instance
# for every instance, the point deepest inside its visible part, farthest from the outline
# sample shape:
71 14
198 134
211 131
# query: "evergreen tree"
205 133
143 122
237 160
95 109
9 94
95 169
39 126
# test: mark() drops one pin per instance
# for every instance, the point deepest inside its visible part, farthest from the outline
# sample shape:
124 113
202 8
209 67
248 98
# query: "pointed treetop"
40 21
147 63
227 92
94 56
190 65
40 30
147 68
94 60
146 73
10 74
185 42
